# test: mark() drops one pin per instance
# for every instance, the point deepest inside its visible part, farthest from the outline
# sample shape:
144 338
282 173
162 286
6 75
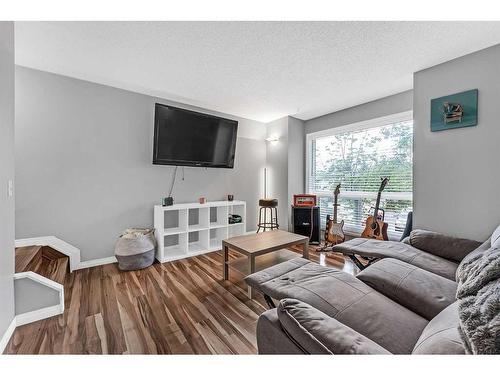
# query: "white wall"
84 163
6 174
456 172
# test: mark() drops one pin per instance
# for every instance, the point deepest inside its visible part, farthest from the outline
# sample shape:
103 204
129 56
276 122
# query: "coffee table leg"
251 269
225 267
305 250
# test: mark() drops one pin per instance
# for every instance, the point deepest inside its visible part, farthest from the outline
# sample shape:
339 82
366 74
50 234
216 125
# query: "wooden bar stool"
271 206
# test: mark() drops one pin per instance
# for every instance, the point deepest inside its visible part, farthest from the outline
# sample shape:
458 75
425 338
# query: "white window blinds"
357 158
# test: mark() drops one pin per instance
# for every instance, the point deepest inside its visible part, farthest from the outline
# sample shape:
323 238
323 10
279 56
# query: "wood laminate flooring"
43 260
180 307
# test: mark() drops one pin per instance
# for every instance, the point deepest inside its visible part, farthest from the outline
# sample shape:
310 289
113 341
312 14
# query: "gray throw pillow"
495 238
442 245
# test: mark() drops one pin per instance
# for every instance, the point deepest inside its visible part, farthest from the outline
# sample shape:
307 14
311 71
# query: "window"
357 156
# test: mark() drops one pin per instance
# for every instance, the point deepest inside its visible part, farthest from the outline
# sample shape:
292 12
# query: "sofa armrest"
317 333
448 247
420 291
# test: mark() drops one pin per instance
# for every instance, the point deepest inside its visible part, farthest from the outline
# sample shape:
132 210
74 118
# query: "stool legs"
259 225
276 226
273 219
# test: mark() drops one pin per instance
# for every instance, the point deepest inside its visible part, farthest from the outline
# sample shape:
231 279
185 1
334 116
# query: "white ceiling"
257 70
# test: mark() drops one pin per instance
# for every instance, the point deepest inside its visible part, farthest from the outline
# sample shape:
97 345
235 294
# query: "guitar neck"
377 205
335 205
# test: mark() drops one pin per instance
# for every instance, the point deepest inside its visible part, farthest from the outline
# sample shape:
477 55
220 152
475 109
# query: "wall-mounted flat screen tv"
188 138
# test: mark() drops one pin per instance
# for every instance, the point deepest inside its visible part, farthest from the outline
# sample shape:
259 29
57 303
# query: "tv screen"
188 138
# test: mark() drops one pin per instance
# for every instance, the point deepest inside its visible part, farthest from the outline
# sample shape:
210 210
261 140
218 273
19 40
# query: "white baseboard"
33 316
96 262
45 312
41 280
67 249
7 335
27 318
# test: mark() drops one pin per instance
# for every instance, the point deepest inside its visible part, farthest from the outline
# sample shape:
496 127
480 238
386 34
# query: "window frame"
357 126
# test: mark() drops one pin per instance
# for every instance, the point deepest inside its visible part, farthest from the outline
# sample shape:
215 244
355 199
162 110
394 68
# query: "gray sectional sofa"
434 252
393 306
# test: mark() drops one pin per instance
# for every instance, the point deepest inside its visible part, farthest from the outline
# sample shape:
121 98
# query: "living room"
249 187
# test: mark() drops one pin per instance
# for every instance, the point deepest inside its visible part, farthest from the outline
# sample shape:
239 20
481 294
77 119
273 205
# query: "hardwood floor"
181 307
43 260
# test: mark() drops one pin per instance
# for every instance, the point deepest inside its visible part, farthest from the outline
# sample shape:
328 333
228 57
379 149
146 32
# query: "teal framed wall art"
454 111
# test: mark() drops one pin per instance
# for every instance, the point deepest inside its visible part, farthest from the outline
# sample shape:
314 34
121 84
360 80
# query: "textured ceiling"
257 70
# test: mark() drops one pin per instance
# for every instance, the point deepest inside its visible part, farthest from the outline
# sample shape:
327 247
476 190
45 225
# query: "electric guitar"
374 227
334 232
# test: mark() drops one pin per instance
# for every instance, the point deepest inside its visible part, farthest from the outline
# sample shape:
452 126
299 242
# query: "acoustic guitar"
334 233
374 227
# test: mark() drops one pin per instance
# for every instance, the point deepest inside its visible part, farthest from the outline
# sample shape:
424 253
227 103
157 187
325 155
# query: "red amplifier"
304 200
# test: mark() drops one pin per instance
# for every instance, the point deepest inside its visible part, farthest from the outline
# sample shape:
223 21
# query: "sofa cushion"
329 290
421 291
317 333
271 339
441 336
495 238
345 298
402 251
441 245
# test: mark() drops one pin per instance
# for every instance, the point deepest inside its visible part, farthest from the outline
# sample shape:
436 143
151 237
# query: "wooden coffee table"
262 250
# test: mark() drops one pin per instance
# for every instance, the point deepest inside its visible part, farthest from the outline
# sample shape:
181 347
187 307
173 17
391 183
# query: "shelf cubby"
236 230
218 216
216 237
175 245
198 219
175 221
198 241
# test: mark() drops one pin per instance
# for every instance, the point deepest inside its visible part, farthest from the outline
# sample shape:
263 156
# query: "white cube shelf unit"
190 229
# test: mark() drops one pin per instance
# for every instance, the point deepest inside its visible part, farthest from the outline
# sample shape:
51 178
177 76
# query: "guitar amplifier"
301 219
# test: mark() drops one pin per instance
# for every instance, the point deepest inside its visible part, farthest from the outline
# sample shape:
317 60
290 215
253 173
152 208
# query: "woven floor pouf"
135 249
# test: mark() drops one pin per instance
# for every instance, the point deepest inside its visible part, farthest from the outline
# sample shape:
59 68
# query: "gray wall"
31 295
6 174
389 105
277 167
285 163
296 161
84 170
458 170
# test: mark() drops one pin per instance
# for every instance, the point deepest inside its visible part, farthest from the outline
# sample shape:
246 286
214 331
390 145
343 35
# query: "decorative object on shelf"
202 200
135 249
230 197
234 219
454 111
304 200
167 201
